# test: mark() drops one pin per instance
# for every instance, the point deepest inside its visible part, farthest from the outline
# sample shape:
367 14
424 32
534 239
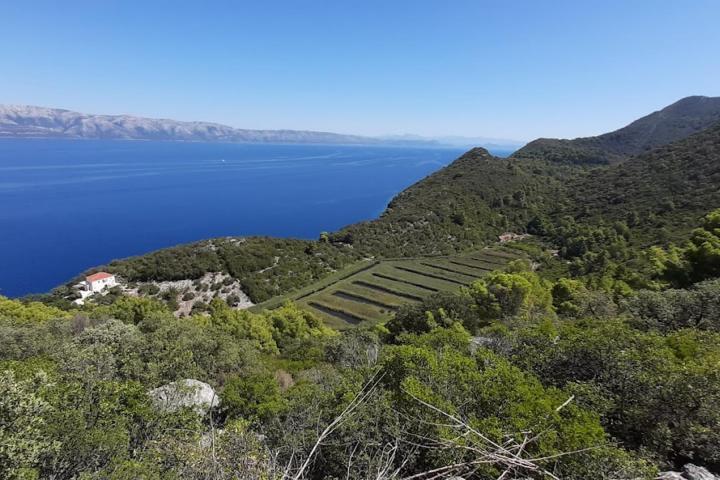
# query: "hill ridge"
27 121
676 121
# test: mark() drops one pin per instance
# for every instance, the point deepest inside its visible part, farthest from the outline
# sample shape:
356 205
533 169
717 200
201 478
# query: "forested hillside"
675 122
466 204
515 375
661 193
265 266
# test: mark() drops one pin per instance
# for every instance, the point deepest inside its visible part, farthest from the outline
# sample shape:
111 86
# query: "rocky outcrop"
689 472
185 393
187 293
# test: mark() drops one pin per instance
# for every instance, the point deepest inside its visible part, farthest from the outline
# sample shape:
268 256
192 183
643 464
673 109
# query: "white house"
98 282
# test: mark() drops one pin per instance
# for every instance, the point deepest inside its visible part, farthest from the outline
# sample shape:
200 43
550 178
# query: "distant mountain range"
674 122
39 122
23 121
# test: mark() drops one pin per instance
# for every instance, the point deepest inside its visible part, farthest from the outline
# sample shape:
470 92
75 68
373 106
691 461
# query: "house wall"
103 283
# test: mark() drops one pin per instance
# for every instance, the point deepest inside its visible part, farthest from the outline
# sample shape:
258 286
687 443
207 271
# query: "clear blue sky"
508 69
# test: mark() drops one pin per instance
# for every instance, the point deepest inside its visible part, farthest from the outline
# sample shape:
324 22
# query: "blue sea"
66 205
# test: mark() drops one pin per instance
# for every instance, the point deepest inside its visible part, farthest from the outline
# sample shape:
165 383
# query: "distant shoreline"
32 122
501 151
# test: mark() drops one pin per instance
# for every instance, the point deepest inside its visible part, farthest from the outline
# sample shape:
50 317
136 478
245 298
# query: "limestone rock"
689 472
693 472
671 476
185 393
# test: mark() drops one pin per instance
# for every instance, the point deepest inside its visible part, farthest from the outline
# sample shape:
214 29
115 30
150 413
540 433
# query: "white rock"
671 476
689 472
693 472
185 393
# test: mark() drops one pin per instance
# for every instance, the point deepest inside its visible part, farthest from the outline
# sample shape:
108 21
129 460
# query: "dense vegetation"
675 122
479 196
660 193
265 266
515 372
594 356
464 205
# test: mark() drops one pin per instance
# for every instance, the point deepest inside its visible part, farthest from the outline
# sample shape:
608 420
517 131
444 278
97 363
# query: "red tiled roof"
98 276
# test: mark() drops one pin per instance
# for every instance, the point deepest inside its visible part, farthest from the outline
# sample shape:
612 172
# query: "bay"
67 205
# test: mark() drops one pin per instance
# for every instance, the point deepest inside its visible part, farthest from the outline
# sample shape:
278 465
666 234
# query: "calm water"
68 205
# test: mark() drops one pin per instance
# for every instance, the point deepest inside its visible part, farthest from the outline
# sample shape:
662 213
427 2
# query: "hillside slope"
479 196
264 266
674 122
666 189
462 206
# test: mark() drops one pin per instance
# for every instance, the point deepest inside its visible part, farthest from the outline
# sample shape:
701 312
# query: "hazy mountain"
38 122
675 122
501 144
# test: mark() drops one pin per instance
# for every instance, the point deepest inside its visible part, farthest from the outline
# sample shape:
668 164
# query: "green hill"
462 206
674 122
667 189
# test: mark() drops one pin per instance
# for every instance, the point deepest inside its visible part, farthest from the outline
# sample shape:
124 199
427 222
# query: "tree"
652 392
453 399
23 419
674 309
697 260
243 325
33 312
520 296
253 397
289 323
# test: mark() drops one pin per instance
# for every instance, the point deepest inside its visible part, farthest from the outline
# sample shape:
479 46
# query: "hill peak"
674 122
478 153
693 101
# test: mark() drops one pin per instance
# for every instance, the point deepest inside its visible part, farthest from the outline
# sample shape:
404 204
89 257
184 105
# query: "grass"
432 272
399 291
369 292
392 301
407 276
454 267
331 279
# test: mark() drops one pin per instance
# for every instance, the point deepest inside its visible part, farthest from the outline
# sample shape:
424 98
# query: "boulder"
689 472
671 476
693 472
185 393
477 342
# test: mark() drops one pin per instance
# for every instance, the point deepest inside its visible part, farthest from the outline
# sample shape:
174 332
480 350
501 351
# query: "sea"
67 205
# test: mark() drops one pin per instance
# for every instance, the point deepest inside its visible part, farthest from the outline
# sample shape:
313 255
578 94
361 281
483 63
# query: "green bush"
253 397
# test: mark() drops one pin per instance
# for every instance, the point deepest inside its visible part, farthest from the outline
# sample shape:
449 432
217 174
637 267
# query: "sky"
502 69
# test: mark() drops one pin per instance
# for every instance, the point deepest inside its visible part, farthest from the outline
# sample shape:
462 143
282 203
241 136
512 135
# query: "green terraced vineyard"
371 292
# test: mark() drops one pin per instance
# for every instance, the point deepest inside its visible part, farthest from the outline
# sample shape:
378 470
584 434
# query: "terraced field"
371 292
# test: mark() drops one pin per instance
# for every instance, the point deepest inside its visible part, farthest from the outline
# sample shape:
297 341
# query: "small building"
98 282
511 237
